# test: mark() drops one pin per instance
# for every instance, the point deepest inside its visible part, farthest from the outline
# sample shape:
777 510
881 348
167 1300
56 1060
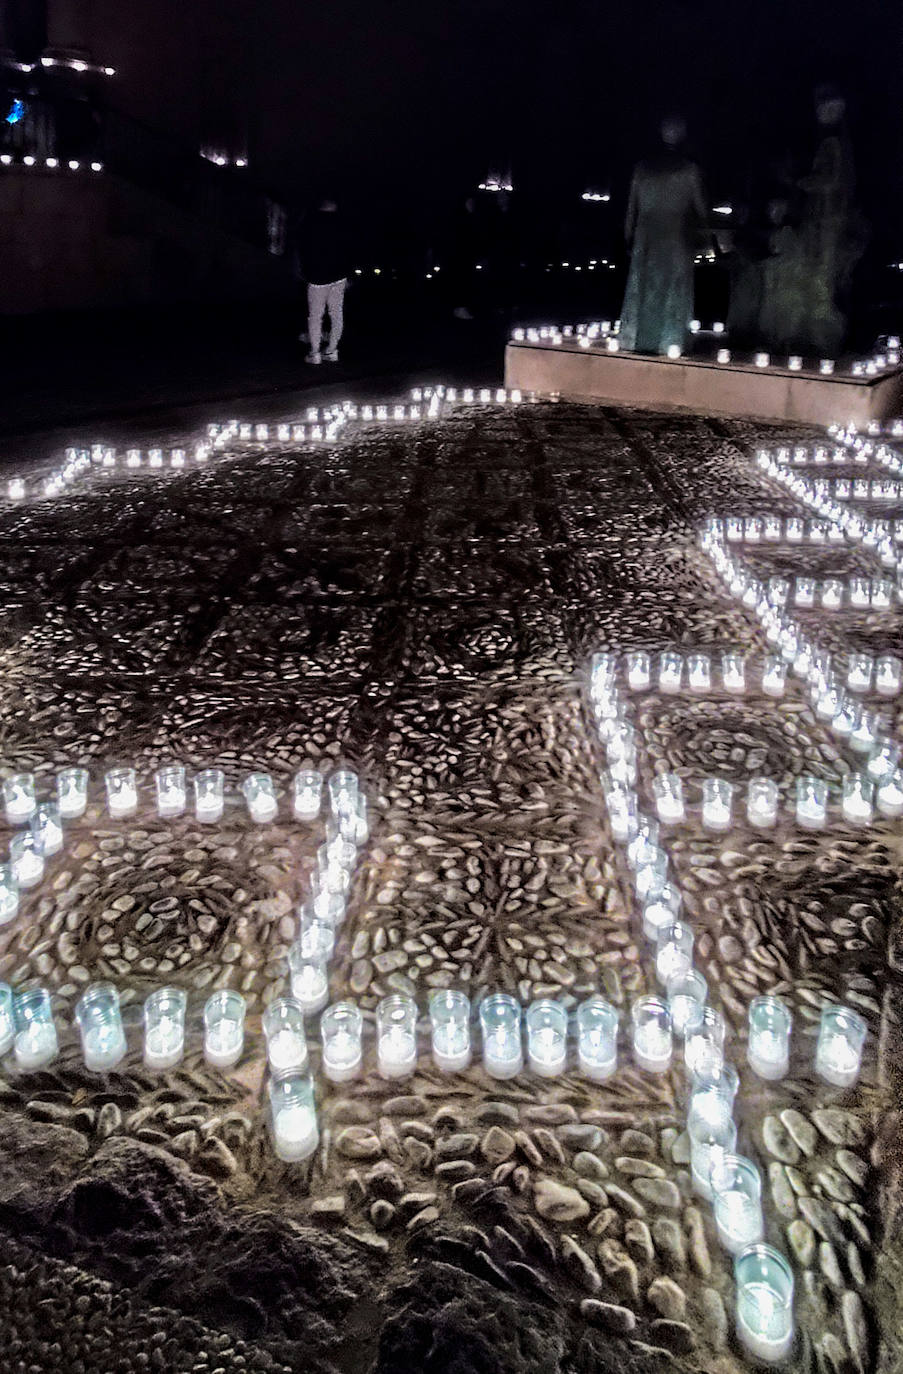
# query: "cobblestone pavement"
421 601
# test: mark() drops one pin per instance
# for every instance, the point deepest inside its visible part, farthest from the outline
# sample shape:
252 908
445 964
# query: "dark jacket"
324 249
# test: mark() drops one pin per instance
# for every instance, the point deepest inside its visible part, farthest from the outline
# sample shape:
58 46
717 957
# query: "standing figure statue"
666 223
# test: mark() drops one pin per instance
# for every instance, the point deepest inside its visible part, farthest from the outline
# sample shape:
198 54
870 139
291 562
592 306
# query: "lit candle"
717 797
72 792
47 829
670 672
774 676
500 1025
667 788
890 794
164 1028
36 1041
208 795
547 1037
723 355
838 1052
450 1026
687 992
597 1039
307 964
733 673
396 1036
888 671
343 787
674 951
9 895
768 1047
811 802
122 793
704 1045
652 1038
660 909
171 793
283 1027
804 592
100 1023
340 1031
859 672
19 798
737 1202
858 798
7 1019
307 790
709 1143
699 672
26 860
764 1284
293 1117
224 1028
762 802
639 671
260 794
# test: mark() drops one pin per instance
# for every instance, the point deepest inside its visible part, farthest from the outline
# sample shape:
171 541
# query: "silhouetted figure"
743 251
466 249
666 221
325 258
785 283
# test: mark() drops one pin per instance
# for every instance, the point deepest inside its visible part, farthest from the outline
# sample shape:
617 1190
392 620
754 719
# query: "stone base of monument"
703 385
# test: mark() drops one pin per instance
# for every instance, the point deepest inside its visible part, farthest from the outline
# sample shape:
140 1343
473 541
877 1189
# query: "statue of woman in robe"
666 224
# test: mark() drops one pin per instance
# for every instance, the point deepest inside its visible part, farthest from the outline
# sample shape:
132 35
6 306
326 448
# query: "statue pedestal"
702 385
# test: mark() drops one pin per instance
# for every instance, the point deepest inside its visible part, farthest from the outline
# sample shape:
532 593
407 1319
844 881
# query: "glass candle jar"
778 588
354 824
283 1027
26 860
597 1039
660 909
396 1036
72 792
860 593
888 670
838 1051
670 672
293 1117
704 1045
804 589
307 962
19 798
450 1027
832 594
343 788
762 803
860 672
224 1028
36 1041
652 1039
260 795
169 783
7 1018
208 795
709 1143
639 671
674 951
122 792
621 803
811 802
774 676
733 673
717 799
890 793
764 1302
668 790
330 906
687 992
547 1025
500 1026
699 673
768 1047
100 1024
737 1202
9 894
307 792
883 761
713 1091
652 875
47 829
341 1026
164 1028
858 798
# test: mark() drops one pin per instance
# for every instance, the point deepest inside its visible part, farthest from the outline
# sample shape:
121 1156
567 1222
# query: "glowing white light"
674 350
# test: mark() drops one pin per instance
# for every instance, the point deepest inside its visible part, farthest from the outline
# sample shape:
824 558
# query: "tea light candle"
171 793
283 1027
762 802
72 792
811 802
343 787
717 798
858 798
723 356
670 672
122 793
7 1019
699 673
667 788
888 670
674 951
794 529
260 794
208 796
340 1031
597 1039
47 829
396 1036
164 1028
36 1041
660 909
652 1038
838 1052
768 1047
737 1202
547 1037
639 671
709 1143
774 676
687 992
804 591
650 877
26 860
100 1023
9 895
224 1028
293 1117
450 1026
773 529
859 672
307 791
19 798
890 794
704 1045
500 1026
733 673
307 965
764 1304
860 592
762 359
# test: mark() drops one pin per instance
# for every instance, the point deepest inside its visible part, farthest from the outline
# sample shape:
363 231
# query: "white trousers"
320 298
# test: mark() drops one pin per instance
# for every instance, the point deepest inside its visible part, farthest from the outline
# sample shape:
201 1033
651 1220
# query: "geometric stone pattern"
422 603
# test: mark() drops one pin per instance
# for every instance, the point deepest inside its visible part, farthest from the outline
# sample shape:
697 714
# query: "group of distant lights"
75 64
50 163
222 159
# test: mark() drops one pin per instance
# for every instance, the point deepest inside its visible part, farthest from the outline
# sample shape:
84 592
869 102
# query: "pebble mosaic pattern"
421 602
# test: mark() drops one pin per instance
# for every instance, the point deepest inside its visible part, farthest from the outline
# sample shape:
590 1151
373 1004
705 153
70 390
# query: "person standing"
666 223
325 257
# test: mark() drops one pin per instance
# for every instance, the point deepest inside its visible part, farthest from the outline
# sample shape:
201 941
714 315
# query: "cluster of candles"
49 163
80 462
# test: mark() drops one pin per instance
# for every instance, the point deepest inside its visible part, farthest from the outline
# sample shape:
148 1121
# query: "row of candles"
673 672
29 849
764 1279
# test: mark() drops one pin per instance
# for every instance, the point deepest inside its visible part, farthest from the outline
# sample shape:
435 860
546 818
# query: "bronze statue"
666 222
